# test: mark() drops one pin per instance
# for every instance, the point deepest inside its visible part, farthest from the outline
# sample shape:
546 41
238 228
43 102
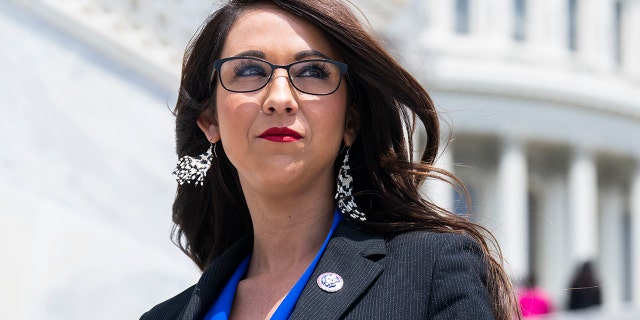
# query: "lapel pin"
330 282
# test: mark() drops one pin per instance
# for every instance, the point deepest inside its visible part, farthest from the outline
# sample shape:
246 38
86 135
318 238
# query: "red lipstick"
282 134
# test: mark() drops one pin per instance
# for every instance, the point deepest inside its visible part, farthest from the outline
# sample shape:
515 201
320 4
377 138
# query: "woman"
310 208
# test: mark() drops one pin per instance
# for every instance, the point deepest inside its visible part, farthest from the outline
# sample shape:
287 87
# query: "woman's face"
251 125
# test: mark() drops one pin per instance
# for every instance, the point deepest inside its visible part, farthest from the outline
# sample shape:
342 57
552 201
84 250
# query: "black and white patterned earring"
346 202
194 169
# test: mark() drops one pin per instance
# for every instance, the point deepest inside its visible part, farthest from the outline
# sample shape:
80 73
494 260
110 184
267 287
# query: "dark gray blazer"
415 275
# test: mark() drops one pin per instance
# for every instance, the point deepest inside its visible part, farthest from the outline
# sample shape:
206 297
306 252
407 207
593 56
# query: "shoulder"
451 267
433 245
197 298
431 238
171 308
419 246
432 275
448 257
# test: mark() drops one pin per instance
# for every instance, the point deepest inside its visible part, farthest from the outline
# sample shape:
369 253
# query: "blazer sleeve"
459 284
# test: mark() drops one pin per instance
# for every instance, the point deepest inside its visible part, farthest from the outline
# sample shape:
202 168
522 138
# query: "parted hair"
386 179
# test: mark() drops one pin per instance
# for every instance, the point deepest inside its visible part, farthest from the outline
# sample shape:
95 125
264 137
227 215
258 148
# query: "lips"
280 135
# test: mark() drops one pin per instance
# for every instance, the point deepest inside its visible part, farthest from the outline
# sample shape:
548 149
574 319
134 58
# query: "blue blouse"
222 307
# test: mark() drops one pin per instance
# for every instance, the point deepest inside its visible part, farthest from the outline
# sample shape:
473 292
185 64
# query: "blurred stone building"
543 97
540 100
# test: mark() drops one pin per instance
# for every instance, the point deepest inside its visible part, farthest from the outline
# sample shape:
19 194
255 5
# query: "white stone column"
500 20
611 255
630 38
441 193
512 198
441 15
635 236
479 17
547 25
537 24
583 199
552 262
491 19
595 33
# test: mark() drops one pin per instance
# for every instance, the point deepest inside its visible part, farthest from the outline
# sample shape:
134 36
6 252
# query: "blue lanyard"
222 308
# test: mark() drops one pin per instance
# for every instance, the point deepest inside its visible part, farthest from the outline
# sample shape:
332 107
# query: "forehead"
275 32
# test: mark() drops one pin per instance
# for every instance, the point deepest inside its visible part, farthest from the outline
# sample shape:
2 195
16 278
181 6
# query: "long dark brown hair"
389 101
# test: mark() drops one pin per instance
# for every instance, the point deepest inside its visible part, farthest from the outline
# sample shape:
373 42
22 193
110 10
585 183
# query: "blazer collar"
351 253
354 256
214 279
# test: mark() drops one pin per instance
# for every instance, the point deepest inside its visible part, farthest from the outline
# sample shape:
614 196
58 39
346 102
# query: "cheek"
337 109
331 117
227 112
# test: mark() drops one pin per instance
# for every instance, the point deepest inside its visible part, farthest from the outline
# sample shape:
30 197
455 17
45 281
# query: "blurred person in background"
584 291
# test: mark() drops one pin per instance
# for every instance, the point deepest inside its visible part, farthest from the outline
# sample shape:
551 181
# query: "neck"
288 232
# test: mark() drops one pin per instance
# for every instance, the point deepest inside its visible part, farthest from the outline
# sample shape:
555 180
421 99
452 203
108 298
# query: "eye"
316 70
249 69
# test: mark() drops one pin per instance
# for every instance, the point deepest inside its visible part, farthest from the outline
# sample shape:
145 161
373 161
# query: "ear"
352 125
208 123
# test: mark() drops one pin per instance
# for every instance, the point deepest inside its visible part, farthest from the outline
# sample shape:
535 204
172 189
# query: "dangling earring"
346 202
190 169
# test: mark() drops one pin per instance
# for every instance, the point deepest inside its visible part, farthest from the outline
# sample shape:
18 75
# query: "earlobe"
209 126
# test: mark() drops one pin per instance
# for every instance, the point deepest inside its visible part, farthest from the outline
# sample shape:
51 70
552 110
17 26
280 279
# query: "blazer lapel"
352 254
214 279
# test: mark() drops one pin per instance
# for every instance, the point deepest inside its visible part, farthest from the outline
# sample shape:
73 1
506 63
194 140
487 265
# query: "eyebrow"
252 53
298 56
310 53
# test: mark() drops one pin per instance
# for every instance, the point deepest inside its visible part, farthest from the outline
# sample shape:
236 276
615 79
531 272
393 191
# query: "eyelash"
318 66
244 65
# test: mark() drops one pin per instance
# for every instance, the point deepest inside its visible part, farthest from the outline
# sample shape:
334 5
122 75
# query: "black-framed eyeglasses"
247 74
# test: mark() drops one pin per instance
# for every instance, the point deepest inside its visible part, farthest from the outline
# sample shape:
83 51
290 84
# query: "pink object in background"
534 302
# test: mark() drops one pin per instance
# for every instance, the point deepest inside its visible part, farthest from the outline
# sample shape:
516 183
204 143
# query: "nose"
281 95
